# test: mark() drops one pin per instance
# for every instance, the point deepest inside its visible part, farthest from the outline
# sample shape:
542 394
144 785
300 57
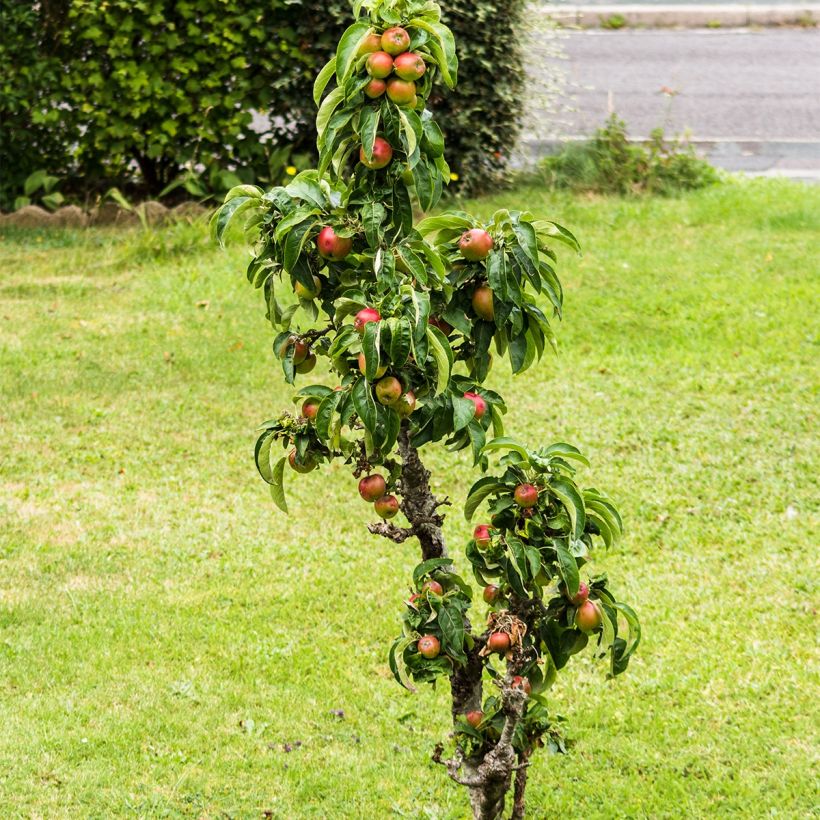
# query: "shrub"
151 90
611 164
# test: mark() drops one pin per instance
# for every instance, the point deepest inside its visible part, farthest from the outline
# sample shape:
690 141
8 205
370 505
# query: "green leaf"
444 221
365 405
567 493
226 213
442 47
277 486
395 660
326 109
261 455
442 355
479 491
567 566
322 79
370 348
463 413
400 341
507 443
324 416
368 128
426 567
348 48
410 136
451 623
566 451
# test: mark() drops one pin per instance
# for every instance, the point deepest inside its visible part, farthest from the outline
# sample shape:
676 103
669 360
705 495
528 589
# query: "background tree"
405 316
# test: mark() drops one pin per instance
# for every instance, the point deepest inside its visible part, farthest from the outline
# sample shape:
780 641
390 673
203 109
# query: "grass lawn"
173 646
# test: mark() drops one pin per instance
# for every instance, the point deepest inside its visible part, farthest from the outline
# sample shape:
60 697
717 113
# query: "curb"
613 17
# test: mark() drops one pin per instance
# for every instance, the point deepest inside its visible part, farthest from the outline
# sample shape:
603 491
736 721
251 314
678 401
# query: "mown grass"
172 646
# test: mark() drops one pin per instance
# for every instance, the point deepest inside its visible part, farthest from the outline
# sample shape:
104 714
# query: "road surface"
752 98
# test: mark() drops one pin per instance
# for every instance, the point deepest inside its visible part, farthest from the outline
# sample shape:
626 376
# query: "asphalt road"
751 97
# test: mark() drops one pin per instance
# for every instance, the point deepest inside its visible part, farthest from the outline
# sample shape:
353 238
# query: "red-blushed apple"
445 327
475 244
483 303
388 390
520 682
482 536
413 598
387 506
581 595
375 88
380 371
382 154
525 496
429 646
364 316
395 40
433 586
498 642
303 293
588 616
409 66
379 65
479 402
310 407
305 466
491 593
401 92
307 364
300 349
371 43
405 404
372 487
332 246
474 717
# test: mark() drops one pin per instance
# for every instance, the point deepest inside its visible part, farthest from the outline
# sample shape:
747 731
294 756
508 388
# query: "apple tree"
407 318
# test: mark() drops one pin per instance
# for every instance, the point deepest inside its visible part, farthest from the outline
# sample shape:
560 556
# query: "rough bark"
487 779
519 796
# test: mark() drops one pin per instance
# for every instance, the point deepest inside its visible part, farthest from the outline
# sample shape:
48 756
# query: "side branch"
391 531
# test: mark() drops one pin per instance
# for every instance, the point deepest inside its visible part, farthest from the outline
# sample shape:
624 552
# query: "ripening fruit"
483 303
526 496
519 682
382 154
433 586
401 92
379 65
480 404
303 293
387 506
482 536
491 593
372 487
409 66
581 595
413 598
364 316
331 245
474 717
300 349
475 244
382 369
305 466
388 390
307 365
375 88
445 327
429 646
395 40
588 617
371 43
310 407
498 642
405 404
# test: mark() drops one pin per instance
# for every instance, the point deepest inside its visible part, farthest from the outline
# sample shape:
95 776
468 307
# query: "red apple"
483 303
375 88
364 316
429 646
409 66
303 293
588 617
479 402
332 246
526 495
395 40
373 42
491 593
300 349
581 595
304 466
475 244
498 642
474 717
379 65
372 487
307 365
445 327
433 586
482 535
310 407
388 390
401 92
387 506
382 154
405 404
380 371
519 682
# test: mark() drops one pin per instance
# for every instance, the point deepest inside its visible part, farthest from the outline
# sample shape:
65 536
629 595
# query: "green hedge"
132 91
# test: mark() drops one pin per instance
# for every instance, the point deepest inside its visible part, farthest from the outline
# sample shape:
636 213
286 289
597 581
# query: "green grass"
164 631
